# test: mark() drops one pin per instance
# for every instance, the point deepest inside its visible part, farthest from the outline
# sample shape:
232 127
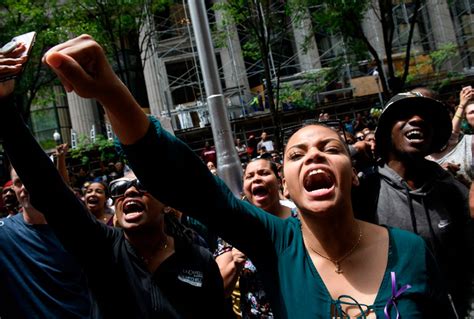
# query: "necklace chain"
163 247
337 262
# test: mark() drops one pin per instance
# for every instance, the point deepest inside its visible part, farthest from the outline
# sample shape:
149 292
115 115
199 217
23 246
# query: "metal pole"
228 163
375 74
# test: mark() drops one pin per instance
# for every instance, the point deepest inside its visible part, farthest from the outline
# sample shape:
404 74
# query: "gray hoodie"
438 211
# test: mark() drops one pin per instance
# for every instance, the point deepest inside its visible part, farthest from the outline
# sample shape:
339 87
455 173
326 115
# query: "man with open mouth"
326 263
147 268
412 193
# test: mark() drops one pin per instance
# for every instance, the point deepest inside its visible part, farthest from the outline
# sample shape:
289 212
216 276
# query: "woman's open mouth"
318 182
259 192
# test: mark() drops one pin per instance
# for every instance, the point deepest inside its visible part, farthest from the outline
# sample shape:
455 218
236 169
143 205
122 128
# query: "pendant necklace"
337 262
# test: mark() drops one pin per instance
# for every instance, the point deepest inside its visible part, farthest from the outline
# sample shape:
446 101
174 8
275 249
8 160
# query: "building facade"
174 84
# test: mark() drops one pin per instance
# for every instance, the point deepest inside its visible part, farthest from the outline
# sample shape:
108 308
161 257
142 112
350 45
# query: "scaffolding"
175 46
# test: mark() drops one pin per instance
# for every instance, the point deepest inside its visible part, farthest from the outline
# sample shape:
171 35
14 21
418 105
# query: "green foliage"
56 21
46 18
48 144
438 59
85 149
251 50
339 16
446 52
314 83
264 23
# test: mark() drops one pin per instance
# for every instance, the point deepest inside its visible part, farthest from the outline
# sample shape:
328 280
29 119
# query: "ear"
355 179
285 189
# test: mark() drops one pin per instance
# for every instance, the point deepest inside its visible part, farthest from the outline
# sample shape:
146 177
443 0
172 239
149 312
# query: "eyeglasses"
118 187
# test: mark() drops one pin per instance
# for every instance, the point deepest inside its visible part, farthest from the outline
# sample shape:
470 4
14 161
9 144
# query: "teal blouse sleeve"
176 176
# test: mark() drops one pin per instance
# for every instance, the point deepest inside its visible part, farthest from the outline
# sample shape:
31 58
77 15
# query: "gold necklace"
148 260
337 262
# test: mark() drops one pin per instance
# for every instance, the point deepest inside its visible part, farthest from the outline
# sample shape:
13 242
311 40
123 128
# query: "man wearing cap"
409 192
9 199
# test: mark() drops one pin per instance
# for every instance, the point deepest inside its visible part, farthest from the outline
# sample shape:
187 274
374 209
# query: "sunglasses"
118 187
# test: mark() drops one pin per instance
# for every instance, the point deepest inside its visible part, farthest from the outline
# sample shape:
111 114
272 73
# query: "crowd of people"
370 223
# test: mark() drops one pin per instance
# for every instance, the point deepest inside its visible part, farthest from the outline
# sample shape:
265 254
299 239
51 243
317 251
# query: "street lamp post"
57 137
228 162
375 74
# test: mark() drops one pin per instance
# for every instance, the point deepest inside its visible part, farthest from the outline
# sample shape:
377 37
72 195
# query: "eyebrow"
324 141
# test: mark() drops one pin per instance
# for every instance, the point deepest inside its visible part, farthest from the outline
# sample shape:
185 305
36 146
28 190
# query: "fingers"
71 74
81 65
9 69
12 61
17 51
78 48
466 94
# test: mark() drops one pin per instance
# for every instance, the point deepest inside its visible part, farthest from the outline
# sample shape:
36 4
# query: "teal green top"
173 174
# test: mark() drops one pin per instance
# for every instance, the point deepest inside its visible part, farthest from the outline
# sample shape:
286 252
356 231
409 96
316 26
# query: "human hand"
466 94
238 257
61 150
451 167
82 67
10 65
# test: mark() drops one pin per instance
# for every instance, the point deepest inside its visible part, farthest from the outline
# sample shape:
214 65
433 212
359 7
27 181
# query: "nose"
132 192
257 179
314 155
416 119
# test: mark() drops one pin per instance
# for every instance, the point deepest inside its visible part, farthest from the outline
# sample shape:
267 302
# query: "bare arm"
153 153
61 151
230 265
466 94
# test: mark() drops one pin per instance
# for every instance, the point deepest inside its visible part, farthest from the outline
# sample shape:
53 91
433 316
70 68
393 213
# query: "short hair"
106 188
273 165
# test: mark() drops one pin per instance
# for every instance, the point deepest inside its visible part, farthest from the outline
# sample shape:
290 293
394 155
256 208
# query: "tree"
265 22
345 17
24 16
115 24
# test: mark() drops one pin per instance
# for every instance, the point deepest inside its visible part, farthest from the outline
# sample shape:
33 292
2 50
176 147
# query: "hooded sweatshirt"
438 211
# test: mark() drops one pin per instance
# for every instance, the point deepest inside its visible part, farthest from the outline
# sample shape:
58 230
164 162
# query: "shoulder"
445 180
15 221
400 235
406 243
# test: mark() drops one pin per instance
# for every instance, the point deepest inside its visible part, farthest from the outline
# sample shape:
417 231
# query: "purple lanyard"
395 294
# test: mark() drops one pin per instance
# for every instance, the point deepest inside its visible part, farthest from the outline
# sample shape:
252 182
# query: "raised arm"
167 167
466 94
61 151
68 217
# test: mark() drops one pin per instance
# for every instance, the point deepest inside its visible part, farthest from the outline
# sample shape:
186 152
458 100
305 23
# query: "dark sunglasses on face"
118 187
